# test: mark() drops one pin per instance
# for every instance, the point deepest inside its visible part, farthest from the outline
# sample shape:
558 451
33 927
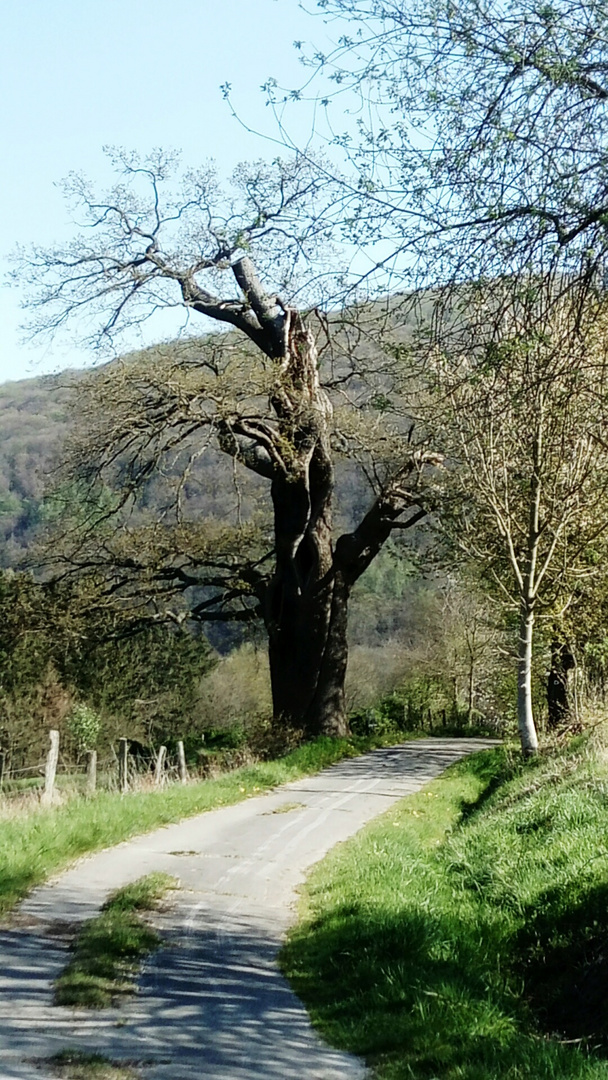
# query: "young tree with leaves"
480 155
520 413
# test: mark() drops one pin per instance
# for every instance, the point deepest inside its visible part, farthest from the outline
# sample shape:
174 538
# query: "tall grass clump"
108 949
464 935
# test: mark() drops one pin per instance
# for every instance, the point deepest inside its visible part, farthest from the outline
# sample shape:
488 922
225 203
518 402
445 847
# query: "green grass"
76 1065
464 935
108 950
44 841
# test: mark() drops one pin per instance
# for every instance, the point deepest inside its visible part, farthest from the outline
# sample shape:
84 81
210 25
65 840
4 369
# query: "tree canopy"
266 400
478 171
520 414
480 146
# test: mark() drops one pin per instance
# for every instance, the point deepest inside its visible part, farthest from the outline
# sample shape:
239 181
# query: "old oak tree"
257 395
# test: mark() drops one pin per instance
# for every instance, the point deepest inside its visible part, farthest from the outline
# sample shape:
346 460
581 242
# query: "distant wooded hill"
36 418
33 426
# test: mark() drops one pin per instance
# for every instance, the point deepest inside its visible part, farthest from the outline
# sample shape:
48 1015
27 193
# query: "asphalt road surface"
212 1003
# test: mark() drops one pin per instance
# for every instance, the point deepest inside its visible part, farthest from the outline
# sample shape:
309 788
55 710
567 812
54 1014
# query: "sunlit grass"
41 841
463 934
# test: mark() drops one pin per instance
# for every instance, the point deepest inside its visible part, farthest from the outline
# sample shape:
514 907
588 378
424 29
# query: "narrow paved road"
212 1003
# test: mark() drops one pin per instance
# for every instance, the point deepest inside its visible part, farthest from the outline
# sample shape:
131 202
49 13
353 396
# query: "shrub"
84 725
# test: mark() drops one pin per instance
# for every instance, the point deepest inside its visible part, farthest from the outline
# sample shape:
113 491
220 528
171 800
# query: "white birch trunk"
525 717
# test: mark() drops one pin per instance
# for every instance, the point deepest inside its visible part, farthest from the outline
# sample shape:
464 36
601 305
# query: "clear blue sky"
79 74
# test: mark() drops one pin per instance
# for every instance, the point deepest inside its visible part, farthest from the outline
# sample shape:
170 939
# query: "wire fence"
57 776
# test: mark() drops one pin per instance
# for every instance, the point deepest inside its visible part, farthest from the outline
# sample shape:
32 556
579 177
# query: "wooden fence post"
91 783
160 765
181 757
123 755
51 768
2 767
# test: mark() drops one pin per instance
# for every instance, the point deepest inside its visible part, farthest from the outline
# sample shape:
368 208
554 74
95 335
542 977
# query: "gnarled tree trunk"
305 604
308 652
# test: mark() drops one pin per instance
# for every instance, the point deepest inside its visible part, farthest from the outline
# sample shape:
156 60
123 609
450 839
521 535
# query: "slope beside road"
212 1002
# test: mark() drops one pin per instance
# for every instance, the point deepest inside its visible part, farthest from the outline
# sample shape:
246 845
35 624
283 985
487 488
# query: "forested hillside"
33 426
410 631
37 416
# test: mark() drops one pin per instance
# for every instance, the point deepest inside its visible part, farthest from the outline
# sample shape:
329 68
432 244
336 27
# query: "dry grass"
373 673
237 691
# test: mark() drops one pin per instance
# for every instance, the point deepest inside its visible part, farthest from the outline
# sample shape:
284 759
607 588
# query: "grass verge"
464 935
75 1065
44 841
108 950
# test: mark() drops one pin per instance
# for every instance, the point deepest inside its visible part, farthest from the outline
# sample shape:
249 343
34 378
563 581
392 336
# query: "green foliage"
148 678
388 601
32 637
108 949
34 424
224 739
84 725
463 934
58 643
420 704
24 653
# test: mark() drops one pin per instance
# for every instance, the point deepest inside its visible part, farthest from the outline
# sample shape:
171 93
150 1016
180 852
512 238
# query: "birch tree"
522 418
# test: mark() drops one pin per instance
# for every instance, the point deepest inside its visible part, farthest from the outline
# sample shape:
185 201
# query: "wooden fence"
120 771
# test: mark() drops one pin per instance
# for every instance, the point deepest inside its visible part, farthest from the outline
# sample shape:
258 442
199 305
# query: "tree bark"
308 654
525 717
471 689
306 606
558 688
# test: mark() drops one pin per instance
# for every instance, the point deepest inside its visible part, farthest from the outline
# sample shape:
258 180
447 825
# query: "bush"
420 704
224 738
84 725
